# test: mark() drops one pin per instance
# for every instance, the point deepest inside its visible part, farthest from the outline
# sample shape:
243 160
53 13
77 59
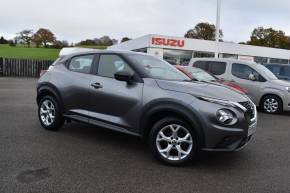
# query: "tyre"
272 104
49 113
173 141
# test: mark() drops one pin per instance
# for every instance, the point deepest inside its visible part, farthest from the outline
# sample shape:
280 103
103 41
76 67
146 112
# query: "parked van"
264 88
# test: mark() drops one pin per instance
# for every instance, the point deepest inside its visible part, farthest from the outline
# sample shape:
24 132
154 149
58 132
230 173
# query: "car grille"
250 112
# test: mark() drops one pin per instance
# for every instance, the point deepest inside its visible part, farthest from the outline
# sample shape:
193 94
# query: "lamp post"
217 33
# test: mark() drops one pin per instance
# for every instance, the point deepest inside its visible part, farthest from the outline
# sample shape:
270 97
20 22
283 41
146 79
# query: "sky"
75 20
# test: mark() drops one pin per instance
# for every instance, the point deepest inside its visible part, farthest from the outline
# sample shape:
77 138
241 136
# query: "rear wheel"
49 113
173 141
272 104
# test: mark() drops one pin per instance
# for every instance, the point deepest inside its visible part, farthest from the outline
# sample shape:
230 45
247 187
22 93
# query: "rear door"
113 101
77 81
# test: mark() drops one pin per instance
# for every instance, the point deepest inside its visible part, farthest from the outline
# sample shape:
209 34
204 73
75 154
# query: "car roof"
70 52
223 60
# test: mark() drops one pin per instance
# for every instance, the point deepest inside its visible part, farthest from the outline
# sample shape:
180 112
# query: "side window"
201 64
243 71
110 64
276 70
81 64
217 68
285 71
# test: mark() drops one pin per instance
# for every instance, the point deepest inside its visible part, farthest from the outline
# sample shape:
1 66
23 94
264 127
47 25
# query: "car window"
156 68
274 69
217 68
110 64
81 64
201 64
243 71
285 71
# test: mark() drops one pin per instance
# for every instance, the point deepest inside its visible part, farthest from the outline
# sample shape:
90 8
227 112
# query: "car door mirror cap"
124 76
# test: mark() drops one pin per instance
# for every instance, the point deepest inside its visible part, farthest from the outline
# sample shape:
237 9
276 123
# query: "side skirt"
100 123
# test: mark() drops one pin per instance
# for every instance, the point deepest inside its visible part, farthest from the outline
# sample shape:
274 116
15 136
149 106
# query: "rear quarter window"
217 68
201 64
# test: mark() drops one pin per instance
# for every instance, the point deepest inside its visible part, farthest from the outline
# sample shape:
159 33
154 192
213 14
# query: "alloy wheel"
47 112
271 105
174 142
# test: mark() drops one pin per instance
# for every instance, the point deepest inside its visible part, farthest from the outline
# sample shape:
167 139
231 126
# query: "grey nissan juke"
144 96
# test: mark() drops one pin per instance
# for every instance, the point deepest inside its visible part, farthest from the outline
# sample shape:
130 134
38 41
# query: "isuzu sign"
168 42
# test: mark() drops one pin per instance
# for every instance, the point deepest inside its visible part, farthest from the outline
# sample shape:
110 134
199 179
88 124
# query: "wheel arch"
270 94
49 89
159 109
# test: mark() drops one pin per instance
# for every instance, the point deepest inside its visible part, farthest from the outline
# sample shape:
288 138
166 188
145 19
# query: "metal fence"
23 67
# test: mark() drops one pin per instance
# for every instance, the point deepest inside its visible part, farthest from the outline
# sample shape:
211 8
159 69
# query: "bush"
11 43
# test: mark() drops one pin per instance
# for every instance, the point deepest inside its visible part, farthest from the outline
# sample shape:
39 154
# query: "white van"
264 88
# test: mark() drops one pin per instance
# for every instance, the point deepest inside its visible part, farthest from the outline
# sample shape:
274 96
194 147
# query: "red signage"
167 42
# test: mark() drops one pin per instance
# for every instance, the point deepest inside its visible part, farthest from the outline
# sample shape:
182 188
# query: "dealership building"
178 50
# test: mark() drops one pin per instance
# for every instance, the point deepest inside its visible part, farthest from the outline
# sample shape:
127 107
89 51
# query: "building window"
232 56
278 61
261 60
203 55
177 57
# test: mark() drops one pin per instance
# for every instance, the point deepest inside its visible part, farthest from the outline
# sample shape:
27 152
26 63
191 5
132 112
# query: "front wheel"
272 104
173 141
49 113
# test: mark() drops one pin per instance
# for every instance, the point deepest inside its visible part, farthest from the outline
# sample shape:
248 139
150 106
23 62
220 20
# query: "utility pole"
217 33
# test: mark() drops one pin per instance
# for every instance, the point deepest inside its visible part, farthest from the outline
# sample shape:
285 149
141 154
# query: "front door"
240 74
113 101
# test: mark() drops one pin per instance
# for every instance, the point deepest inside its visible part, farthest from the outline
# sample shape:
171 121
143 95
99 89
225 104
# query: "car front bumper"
224 138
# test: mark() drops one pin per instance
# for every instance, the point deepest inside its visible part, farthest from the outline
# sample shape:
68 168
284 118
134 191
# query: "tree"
3 40
106 41
43 36
25 36
203 31
269 37
124 39
60 44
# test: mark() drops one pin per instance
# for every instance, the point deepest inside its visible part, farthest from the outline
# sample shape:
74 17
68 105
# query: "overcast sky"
74 20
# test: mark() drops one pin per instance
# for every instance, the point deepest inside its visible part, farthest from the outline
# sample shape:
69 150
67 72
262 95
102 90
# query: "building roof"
204 46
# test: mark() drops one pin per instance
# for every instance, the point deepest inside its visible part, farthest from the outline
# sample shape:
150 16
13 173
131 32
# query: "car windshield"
158 69
265 72
200 74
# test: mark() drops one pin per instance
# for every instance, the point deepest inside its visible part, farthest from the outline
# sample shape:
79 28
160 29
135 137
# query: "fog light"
226 117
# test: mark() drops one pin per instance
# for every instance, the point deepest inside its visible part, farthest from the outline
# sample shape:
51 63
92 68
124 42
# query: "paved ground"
81 158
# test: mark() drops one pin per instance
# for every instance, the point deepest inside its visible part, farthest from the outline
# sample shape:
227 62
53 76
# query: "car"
201 75
265 90
282 71
144 96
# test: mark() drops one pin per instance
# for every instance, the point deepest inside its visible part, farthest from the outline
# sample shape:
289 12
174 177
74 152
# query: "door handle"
96 85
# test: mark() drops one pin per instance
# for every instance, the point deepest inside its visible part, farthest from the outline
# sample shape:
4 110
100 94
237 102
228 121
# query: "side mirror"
123 76
252 77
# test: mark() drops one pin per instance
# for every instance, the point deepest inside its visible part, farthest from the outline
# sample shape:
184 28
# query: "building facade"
178 50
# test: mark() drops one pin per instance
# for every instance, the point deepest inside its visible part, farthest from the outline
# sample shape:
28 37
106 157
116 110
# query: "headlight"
226 117
288 89
222 102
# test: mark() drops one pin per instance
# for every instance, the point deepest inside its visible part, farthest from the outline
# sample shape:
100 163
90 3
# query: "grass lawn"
31 53
21 51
